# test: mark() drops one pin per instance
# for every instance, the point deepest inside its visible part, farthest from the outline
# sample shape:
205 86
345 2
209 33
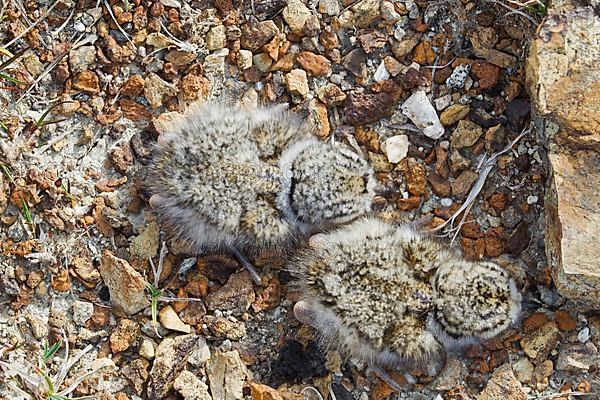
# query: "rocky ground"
425 90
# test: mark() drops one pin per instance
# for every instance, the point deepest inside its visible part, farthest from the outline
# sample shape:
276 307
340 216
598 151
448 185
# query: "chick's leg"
244 262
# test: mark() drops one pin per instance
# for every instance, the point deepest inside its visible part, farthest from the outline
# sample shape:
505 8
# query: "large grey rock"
564 81
226 373
126 286
503 385
170 359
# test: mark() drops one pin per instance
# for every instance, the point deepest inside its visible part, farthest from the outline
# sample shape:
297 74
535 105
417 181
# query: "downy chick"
244 181
393 298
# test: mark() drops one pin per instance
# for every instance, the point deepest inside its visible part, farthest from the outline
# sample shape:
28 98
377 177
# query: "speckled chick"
226 177
373 290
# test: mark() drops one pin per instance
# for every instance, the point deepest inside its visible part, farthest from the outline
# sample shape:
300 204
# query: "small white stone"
395 148
420 111
584 335
79 27
200 354
170 320
388 12
399 33
381 74
171 3
191 387
532 200
329 7
445 202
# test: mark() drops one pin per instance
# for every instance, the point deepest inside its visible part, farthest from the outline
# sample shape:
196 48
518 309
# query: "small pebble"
584 335
532 200
446 202
79 27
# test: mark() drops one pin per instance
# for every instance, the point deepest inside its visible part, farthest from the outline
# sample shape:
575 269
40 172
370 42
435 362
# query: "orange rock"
60 281
134 111
494 242
534 321
498 201
263 392
408 204
423 54
473 249
193 86
471 230
133 87
382 390
197 286
486 74
414 172
320 118
87 81
270 296
313 63
565 321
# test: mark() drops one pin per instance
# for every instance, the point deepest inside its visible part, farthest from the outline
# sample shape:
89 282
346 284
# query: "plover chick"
231 179
393 298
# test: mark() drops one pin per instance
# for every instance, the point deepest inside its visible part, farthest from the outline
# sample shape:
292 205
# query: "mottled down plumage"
392 297
227 177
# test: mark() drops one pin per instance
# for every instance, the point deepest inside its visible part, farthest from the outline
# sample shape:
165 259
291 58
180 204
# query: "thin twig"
557 395
516 11
26 31
438 66
107 5
485 167
64 25
78 43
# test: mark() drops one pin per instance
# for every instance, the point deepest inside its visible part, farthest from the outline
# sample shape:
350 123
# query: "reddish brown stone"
440 186
269 297
486 74
134 111
314 64
121 158
473 249
87 81
498 201
383 391
368 138
361 109
256 34
494 242
409 203
534 321
441 162
193 86
197 287
331 95
471 230
462 184
328 38
565 321
133 87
